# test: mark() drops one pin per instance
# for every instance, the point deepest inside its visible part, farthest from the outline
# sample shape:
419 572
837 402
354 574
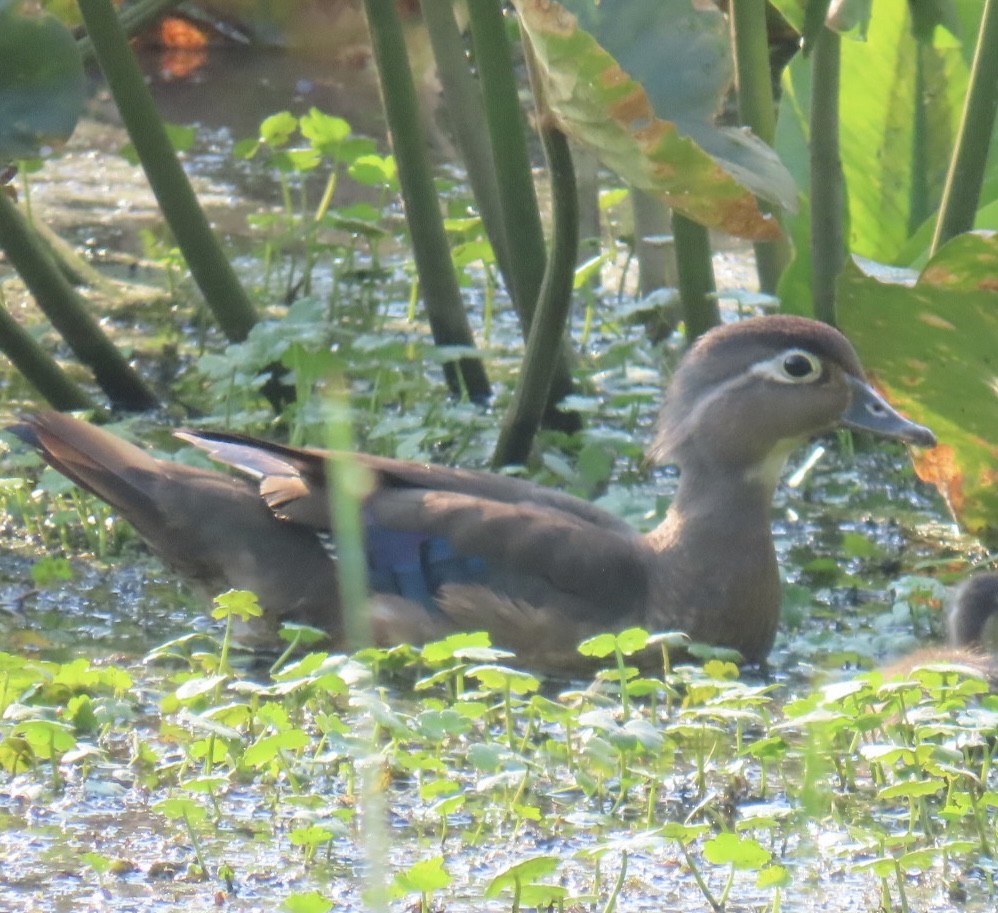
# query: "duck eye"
798 365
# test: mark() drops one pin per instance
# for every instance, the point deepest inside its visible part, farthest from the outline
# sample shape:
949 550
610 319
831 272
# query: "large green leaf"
894 149
640 82
42 86
933 347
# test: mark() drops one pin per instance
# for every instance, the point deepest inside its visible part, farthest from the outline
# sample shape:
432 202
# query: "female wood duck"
451 549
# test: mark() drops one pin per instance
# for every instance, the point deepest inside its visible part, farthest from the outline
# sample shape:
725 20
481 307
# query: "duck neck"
714 561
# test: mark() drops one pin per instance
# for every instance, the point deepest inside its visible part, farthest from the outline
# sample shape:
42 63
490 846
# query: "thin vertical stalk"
521 220
212 272
349 484
696 276
966 173
555 300
438 284
827 196
587 181
524 234
464 103
757 109
656 255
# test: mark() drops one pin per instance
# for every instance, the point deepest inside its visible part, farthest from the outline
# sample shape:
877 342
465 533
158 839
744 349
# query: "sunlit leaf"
423 877
734 850
526 871
932 348
308 902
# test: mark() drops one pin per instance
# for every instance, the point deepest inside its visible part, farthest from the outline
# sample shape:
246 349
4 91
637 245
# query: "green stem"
39 368
466 106
655 255
696 276
524 236
622 681
699 879
68 313
827 211
211 270
611 901
757 110
963 183
521 226
198 851
548 328
441 295
348 485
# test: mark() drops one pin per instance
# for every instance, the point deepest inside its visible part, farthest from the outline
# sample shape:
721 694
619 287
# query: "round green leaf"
42 85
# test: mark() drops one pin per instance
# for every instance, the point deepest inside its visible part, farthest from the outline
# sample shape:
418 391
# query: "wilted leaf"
654 123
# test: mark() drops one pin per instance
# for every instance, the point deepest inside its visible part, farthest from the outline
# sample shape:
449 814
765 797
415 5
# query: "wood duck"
973 612
451 549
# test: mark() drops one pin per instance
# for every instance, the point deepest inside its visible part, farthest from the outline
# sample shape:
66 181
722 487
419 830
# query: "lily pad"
932 346
42 85
603 77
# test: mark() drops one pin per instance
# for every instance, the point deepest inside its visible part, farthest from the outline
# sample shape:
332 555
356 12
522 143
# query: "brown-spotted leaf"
640 82
933 348
970 263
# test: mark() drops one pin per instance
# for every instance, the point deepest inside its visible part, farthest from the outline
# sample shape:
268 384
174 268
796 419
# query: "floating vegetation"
191 773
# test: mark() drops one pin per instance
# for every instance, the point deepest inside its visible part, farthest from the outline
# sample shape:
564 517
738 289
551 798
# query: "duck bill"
869 411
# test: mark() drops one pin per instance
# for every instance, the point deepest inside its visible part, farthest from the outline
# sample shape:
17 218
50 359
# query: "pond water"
457 774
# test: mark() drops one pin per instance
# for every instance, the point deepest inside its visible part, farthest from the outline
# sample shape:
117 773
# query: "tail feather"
112 469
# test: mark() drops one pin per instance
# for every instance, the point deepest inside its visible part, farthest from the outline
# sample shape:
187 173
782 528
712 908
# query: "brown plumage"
455 549
972 625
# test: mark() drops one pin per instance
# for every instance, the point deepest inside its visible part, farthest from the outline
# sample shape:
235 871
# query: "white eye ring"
792 366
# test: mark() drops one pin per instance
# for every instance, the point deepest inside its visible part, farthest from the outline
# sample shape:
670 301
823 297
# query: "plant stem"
524 236
656 256
39 368
198 851
611 901
441 295
466 107
827 211
348 484
757 110
521 220
548 327
966 173
212 272
696 276
699 879
68 314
